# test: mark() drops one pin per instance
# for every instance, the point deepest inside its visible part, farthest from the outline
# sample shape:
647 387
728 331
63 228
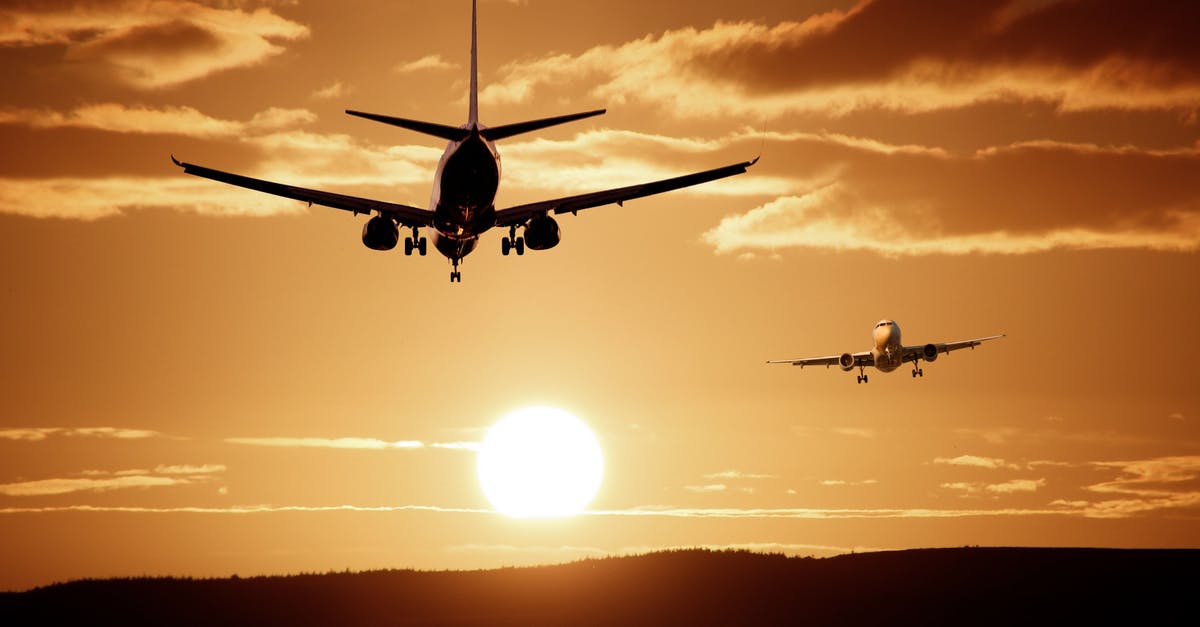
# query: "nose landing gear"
455 275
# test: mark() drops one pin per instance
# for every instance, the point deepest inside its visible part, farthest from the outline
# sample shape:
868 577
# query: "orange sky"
202 380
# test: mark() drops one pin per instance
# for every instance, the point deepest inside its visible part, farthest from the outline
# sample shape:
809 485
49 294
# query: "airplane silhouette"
464 188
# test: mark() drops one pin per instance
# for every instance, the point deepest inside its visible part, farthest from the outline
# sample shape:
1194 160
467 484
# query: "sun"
540 462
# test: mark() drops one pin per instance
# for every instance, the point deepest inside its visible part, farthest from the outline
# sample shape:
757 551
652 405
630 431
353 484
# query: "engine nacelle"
542 233
380 233
846 362
929 353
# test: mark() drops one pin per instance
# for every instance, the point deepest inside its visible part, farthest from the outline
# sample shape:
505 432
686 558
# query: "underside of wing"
845 360
571 204
929 352
404 214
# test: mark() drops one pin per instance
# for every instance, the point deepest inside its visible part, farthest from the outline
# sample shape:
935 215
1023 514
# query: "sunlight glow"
540 462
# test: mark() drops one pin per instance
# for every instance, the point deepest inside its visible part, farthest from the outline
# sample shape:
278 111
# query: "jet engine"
380 233
542 233
846 362
929 353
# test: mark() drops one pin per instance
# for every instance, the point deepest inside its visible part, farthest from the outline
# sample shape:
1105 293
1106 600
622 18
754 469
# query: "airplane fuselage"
464 194
887 351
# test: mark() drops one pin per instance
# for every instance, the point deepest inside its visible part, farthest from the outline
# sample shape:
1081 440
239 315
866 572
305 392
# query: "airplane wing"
914 352
860 359
522 213
404 214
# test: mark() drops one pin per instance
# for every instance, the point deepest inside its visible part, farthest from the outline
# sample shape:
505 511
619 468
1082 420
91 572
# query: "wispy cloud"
182 121
976 461
428 62
333 90
150 45
842 482
351 443
737 474
38 434
105 481
710 487
1006 487
1149 485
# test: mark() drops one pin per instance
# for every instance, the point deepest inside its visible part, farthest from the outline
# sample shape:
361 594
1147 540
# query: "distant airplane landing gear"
512 242
862 376
455 275
416 242
917 372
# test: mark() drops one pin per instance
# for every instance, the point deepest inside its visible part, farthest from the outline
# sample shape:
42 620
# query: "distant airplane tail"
459 133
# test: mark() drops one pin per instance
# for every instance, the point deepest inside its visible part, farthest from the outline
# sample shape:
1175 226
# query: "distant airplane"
464 189
888 353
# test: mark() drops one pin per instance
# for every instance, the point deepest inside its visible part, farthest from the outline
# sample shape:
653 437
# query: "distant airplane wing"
404 214
914 352
860 359
522 213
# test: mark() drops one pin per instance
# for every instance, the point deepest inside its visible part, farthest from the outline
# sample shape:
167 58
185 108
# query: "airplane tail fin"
457 133
473 113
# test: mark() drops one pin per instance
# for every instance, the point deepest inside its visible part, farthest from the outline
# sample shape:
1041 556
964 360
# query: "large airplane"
464 188
888 353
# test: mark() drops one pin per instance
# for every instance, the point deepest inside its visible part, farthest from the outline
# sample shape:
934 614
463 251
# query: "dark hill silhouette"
963 586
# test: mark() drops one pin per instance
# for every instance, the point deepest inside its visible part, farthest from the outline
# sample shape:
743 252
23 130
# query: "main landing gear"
917 371
416 242
862 376
512 242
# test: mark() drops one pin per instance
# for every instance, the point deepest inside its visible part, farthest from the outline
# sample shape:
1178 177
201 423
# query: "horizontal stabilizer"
508 130
452 133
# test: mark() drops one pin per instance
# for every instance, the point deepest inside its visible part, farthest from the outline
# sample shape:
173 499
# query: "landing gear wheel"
421 246
408 246
520 245
865 379
505 246
455 276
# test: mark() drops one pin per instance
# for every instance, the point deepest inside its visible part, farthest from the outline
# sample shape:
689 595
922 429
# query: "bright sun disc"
540 462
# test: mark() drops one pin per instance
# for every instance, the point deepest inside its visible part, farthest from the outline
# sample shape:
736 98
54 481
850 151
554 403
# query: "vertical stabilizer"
473 114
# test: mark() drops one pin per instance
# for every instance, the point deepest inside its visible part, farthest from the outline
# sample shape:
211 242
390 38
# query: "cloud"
1019 198
854 432
1007 487
105 481
974 460
181 121
331 91
735 474
37 434
1153 484
351 443
429 62
893 55
841 482
151 45
711 487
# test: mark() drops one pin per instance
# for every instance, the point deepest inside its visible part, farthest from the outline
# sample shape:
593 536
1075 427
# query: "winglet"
176 161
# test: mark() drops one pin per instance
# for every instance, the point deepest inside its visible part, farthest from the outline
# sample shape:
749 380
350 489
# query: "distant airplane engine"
542 233
380 233
929 353
846 362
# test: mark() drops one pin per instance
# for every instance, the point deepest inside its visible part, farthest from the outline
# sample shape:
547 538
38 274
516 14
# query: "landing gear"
917 372
512 242
862 376
416 242
455 275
